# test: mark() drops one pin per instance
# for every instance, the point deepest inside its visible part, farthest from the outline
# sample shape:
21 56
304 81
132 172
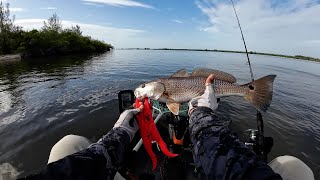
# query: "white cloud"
177 21
49 8
92 4
16 9
316 41
269 26
120 3
112 35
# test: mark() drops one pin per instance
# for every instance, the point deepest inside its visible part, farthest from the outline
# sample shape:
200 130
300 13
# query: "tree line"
52 39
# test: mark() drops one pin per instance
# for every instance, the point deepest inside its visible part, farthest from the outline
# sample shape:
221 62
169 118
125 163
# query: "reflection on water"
44 99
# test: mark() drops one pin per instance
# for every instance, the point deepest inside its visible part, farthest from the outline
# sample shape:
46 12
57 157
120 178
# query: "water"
43 100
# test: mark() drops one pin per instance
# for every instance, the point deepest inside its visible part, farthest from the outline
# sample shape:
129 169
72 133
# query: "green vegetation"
228 51
51 40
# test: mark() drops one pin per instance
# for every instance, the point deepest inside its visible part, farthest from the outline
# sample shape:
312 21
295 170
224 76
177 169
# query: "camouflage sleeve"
220 155
100 161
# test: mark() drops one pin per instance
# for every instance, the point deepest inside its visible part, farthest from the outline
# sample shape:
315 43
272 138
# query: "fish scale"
182 89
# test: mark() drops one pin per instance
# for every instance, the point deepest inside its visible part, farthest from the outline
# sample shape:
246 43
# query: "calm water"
43 100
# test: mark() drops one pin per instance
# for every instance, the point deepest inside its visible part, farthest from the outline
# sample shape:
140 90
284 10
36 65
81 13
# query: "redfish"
181 87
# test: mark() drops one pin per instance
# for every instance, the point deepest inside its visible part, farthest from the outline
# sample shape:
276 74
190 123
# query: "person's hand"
208 99
127 121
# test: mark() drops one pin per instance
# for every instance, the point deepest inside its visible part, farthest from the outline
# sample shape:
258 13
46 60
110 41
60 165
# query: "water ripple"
51 98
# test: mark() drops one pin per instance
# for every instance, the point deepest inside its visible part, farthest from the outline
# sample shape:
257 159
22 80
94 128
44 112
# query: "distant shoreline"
229 51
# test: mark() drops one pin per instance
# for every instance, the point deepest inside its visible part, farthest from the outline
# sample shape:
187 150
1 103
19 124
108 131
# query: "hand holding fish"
207 99
127 122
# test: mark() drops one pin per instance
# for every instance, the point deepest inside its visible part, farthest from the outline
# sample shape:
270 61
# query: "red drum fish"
181 87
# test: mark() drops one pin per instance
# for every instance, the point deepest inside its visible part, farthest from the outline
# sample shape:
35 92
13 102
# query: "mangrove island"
51 40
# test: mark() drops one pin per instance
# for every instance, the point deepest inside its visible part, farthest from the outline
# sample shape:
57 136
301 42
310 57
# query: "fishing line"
259 115
244 42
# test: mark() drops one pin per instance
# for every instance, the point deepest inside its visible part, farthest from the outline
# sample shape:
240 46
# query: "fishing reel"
258 143
252 133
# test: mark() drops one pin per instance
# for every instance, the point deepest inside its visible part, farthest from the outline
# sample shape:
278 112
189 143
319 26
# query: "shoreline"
10 57
17 57
299 57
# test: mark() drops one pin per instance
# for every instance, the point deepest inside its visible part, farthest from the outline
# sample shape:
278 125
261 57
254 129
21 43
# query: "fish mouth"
138 95
136 92
141 98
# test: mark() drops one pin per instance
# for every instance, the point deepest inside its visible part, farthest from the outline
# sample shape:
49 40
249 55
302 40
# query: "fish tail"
259 92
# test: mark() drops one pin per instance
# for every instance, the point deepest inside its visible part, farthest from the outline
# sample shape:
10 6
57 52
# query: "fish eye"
143 85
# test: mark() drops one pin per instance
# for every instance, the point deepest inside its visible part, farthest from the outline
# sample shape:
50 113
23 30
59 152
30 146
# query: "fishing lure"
149 132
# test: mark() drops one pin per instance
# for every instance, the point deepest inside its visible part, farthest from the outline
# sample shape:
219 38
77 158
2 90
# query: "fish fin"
260 91
220 75
173 107
180 73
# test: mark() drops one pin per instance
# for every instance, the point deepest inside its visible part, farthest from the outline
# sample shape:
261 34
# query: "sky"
275 26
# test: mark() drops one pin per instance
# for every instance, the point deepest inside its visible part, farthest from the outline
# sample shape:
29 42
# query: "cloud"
120 3
177 21
316 41
16 9
269 26
49 8
112 35
92 4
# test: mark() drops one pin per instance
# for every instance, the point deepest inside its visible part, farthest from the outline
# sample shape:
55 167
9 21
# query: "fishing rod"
261 139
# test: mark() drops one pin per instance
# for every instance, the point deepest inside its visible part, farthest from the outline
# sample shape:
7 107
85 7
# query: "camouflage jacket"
220 155
100 160
217 154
